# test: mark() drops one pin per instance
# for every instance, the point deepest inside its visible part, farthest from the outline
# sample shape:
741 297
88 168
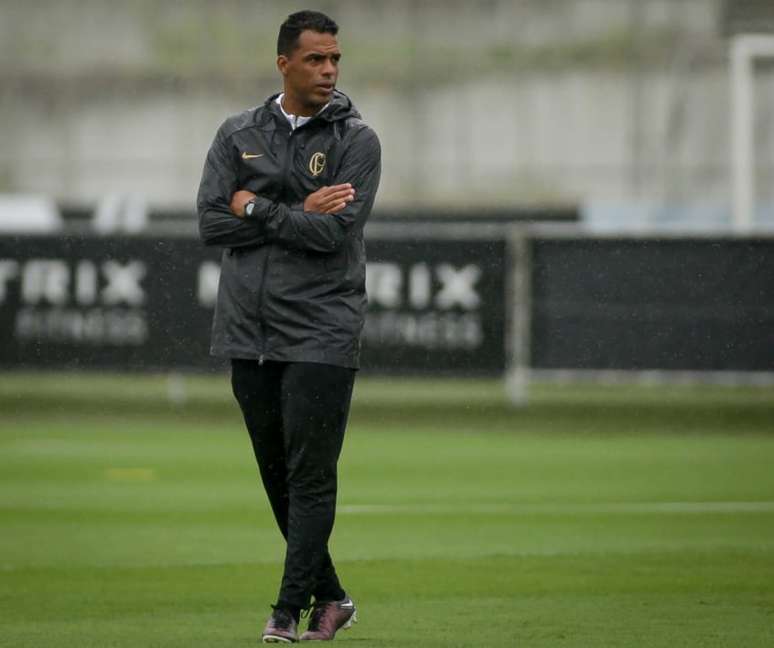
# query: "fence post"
518 305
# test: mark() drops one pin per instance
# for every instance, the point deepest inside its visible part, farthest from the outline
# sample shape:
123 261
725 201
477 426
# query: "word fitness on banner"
435 304
82 302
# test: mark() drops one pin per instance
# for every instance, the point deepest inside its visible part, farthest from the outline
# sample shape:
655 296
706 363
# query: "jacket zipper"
262 289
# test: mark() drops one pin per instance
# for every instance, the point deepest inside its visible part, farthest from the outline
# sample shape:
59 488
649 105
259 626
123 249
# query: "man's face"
311 70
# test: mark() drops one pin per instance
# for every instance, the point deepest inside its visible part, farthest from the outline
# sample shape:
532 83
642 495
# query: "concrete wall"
495 103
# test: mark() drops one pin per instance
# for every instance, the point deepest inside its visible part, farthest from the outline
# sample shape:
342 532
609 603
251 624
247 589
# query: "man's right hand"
330 200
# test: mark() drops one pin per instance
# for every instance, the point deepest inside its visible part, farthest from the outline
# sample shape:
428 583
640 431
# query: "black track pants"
296 414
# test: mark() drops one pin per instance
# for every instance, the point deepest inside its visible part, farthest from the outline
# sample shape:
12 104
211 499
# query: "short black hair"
291 29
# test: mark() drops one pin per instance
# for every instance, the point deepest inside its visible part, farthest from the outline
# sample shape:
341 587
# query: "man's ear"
282 64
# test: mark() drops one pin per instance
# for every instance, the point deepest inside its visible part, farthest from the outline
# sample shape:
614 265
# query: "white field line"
611 508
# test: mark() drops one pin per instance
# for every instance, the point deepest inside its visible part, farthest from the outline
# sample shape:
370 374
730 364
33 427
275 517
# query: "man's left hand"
239 200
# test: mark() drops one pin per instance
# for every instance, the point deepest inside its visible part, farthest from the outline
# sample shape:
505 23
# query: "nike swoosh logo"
251 156
348 604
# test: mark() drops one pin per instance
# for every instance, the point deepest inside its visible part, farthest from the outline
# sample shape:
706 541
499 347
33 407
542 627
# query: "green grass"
595 516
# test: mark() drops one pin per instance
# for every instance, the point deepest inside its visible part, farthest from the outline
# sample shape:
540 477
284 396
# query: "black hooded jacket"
292 283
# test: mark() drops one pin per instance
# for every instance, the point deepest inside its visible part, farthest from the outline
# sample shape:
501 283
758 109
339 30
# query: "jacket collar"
339 107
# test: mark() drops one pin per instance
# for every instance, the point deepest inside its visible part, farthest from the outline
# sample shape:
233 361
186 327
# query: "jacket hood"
340 107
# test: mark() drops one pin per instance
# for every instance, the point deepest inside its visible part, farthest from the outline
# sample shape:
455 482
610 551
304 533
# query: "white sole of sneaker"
275 639
352 619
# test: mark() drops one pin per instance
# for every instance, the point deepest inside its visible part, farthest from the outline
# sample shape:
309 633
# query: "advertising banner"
142 303
675 304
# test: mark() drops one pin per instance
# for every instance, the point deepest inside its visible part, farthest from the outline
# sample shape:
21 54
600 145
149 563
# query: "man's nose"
329 69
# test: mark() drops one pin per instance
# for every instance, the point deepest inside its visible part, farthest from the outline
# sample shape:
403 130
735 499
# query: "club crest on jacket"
317 164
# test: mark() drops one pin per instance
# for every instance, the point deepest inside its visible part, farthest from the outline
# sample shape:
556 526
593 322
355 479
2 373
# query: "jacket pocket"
337 262
240 281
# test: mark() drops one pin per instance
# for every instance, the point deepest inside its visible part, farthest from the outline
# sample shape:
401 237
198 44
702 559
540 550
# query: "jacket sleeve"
291 226
217 225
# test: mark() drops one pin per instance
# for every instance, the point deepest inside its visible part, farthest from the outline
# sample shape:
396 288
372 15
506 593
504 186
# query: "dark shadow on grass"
543 417
592 418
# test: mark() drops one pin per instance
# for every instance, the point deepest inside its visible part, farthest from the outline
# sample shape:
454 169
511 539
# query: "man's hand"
330 200
239 200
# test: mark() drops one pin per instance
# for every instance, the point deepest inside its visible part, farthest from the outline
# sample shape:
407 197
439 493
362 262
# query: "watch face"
249 208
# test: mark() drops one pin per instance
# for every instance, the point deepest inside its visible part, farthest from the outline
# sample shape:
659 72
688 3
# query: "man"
286 190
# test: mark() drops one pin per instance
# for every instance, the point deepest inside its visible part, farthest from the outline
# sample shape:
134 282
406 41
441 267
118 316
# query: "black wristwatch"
249 208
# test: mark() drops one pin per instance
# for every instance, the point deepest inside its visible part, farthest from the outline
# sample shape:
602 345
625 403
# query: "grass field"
595 516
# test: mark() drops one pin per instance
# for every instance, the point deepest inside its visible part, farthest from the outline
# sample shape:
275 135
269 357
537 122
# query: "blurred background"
541 149
576 216
620 107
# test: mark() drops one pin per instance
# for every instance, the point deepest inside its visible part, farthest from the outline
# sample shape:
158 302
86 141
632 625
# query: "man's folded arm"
293 227
217 225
